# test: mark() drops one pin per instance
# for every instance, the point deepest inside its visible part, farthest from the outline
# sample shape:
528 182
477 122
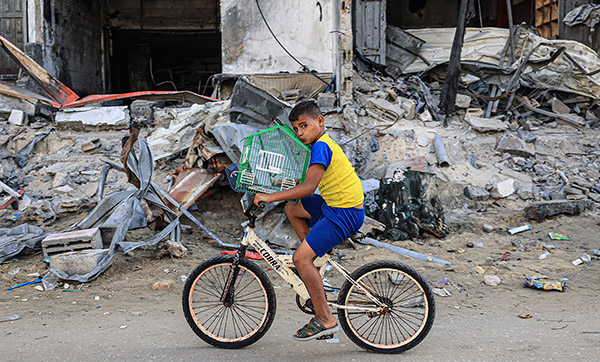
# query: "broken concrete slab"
77 262
544 209
409 106
72 241
481 124
463 101
382 108
326 100
93 118
476 193
18 118
515 146
502 189
558 106
527 136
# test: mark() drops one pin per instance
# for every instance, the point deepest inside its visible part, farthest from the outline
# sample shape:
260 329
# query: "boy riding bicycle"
321 221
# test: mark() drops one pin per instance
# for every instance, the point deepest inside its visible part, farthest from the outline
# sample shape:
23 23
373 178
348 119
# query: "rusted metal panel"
190 184
52 86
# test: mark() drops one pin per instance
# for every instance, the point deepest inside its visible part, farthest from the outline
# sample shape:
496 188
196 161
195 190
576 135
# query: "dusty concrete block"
543 209
72 241
93 118
527 136
487 124
326 100
77 262
515 146
502 189
463 101
17 117
426 116
476 193
559 107
409 106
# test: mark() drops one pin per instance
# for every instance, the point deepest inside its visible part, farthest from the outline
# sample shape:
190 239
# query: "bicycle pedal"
325 336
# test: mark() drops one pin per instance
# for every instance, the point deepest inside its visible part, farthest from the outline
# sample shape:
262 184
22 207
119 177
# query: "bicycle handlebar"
251 209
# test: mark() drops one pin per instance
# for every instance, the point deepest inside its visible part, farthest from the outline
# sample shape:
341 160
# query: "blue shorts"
330 225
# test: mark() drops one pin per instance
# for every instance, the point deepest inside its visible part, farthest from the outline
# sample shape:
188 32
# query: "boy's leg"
298 216
303 259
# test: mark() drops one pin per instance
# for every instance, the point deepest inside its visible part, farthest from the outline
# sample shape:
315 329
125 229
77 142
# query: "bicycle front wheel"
239 324
409 307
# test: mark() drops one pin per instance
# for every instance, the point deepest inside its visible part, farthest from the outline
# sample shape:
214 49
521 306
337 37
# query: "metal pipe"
402 251
440 151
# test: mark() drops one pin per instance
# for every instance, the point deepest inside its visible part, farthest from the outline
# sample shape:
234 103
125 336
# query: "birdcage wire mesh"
272 160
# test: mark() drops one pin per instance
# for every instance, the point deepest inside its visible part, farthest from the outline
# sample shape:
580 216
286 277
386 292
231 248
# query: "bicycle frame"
282 264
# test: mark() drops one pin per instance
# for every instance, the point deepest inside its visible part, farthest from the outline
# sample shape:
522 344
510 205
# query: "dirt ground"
120 317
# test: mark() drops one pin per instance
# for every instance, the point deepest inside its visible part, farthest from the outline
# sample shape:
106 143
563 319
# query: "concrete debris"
476 193
93 118
17 117
515 146
481 124
501 189
72 241
77 262
544 209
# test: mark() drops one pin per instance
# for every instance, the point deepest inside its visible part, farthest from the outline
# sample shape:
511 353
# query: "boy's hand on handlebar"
266 198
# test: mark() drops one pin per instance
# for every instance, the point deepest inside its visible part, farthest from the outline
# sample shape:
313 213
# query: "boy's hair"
309 108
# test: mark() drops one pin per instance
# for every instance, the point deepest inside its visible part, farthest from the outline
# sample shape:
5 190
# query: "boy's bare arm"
313 177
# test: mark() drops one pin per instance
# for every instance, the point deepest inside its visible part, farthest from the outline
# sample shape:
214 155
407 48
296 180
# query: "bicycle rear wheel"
243 322
409 312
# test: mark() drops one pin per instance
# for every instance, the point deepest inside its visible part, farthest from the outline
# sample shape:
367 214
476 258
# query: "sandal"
314 329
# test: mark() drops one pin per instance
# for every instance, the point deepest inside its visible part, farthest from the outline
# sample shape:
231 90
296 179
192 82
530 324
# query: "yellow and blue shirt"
340 186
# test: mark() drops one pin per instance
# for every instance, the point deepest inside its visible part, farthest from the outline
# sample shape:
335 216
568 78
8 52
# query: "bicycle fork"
227 295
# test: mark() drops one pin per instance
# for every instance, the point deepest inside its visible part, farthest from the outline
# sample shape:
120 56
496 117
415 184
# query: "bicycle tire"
239 325
402 289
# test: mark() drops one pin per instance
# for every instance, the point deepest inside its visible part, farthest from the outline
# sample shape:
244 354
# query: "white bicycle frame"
282 264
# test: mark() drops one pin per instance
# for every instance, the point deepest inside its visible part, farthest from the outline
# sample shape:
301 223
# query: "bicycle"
229 301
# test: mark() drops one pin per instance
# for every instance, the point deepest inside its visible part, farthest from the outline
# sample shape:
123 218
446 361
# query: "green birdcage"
272 160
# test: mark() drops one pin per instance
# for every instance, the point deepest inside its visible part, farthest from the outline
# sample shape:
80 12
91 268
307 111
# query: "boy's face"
309 129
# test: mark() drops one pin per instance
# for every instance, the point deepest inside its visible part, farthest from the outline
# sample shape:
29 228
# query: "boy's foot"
314 329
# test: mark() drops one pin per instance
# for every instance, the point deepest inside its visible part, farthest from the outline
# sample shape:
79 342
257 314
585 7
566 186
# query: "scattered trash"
13 317
123 327
544 255
518 244
14 271
492 280
25 283
519 229
525 316
559 236
447 282
595 252
14 216
442 292
183 278
163 284
541 282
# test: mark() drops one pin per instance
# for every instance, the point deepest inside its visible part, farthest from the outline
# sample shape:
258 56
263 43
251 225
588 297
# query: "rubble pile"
515 143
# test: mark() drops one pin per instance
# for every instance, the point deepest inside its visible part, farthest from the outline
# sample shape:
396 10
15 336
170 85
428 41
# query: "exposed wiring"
304 67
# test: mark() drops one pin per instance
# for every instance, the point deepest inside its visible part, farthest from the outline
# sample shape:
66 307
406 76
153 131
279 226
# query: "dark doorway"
164 60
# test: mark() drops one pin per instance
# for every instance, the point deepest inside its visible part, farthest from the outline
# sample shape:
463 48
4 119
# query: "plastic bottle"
544 255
